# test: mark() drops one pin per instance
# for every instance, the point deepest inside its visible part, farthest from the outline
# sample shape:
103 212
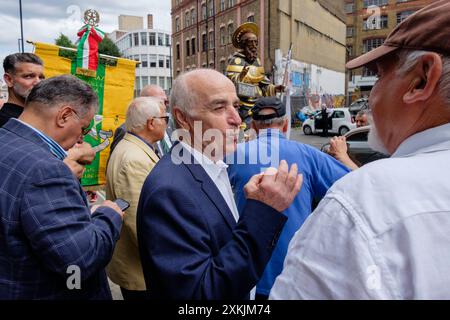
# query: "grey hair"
139 111
275 122
181 96
408 60
364 112
9 63
63 90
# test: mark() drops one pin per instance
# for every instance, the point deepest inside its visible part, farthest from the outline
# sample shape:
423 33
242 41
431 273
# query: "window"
193 17
187 48
144 81
153 80
359 136
251 18
161 61
203 11
152 39
177 24
167 40
160 39
231 3
211 7
381 23
178 51
222 36
403 15
368 72
370 44
230 32
350 50
338 114
349 7
162 82
187 19
379 3
204 43
143 38
129 41
152 61
136 39
222 5
350 31
193 46
168 62
211 40
144 60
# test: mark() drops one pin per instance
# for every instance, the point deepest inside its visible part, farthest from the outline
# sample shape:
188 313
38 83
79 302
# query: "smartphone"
123 205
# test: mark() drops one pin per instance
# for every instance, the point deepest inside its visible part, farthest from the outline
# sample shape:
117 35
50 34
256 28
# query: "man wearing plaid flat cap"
382 231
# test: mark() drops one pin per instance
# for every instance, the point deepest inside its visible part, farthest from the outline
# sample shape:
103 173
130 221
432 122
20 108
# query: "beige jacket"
128 167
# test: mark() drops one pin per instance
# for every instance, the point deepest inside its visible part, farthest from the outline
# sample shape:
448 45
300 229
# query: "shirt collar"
430 140
270 132
213 169
54 147
133 134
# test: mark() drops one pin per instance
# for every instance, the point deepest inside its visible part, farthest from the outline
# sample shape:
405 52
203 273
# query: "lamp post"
21 25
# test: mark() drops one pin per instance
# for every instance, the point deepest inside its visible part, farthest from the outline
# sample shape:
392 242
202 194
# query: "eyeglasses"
86 130
166 118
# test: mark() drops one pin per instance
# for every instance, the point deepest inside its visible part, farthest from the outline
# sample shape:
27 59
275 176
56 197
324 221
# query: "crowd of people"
212 219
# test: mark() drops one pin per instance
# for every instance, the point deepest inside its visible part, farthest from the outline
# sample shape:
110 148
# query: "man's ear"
427 74
150 125
8 79
285 125
63 116
181 118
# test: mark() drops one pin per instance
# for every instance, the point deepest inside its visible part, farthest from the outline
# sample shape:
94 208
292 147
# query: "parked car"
358 105
358 147
339 121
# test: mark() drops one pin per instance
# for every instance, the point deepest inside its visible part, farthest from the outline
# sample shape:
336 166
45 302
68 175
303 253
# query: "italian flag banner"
114 85
87 52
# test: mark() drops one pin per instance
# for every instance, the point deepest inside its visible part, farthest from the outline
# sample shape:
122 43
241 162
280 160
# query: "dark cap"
428 29
268 102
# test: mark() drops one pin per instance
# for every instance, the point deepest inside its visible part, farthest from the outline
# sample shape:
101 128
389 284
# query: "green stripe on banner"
90 177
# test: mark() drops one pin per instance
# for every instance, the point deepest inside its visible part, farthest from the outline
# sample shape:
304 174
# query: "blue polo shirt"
319 171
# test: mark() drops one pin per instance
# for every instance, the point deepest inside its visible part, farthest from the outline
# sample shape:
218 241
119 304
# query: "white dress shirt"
218 173
381 232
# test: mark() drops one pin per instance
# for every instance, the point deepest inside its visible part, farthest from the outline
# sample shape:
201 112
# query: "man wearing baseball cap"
319 172
382 231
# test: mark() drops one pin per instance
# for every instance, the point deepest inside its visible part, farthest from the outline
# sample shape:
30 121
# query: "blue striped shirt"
54 147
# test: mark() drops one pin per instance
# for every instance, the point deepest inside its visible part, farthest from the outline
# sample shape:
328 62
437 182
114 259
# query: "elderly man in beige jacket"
130 163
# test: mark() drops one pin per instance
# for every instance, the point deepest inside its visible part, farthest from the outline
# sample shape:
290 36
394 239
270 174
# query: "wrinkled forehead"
28 67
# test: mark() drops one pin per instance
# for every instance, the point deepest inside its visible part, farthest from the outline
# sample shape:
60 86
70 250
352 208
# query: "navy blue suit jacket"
191 247
46 225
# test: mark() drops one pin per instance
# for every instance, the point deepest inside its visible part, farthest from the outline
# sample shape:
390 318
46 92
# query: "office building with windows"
368 24
151 47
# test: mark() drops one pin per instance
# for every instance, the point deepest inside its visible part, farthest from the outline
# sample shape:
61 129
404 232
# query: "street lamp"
21 25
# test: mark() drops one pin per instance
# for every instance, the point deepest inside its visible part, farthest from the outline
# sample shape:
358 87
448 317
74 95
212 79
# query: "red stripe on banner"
94 39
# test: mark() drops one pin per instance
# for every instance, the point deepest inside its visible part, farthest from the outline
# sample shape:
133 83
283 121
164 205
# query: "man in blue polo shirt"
319 171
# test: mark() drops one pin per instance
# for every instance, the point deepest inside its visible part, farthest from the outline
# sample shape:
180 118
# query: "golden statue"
245 70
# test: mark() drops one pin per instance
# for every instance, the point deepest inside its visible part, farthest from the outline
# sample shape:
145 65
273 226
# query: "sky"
44 20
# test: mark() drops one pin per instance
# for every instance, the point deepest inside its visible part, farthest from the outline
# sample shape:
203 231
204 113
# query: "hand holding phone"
122 204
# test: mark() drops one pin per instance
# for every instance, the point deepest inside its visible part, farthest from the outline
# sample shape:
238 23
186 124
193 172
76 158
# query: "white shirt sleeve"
331 258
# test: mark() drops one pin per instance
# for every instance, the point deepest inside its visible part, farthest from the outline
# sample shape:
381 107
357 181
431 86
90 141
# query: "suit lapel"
208 187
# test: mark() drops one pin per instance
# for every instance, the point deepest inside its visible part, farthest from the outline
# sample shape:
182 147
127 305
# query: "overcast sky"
44 20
